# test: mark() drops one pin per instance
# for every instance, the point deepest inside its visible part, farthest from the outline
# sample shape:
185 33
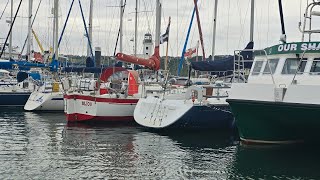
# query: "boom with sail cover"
226 64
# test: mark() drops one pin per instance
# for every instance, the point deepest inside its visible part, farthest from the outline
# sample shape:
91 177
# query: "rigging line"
200 30
108 33
85 27
243 24
268 29
34 18
182 23
118 36
14 19
300 10
260 24
5 7
228 25
177 27
63 29
148 21
240 16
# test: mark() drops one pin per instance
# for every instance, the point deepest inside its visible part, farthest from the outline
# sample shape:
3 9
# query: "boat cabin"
289 63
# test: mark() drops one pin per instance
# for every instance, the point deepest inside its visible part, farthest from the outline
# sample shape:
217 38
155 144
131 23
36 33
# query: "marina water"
43 146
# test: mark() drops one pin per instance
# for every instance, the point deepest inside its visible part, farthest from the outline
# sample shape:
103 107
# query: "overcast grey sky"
232 24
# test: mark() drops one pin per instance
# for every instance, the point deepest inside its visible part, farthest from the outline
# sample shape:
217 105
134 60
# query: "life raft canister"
194 92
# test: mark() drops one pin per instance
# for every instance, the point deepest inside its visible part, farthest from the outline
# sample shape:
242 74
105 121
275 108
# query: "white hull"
50 101
81 107
158 113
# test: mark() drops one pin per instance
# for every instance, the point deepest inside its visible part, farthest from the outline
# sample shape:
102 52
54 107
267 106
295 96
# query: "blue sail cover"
226 64
22 65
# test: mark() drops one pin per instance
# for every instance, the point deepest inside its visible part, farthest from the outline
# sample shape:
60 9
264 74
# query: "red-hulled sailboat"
114 95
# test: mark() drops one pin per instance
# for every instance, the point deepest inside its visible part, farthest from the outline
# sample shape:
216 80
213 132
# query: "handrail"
237 53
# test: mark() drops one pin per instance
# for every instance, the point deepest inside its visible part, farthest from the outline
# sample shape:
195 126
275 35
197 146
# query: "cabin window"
315 68
273 66
291 66
257 67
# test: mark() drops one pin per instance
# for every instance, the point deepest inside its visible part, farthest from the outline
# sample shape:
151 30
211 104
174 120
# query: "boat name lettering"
86 103
298 47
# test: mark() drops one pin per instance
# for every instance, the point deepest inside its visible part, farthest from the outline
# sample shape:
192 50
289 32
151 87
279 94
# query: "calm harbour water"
43 146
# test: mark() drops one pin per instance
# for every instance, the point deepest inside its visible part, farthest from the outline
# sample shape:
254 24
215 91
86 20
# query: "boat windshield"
271 65
292 65
257 67
315 67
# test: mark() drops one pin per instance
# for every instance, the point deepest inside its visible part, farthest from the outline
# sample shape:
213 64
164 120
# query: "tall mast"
283 36
214 29
90 27
10 37
136 29
158 23
56 27
121 25
29 30
252 21
199 28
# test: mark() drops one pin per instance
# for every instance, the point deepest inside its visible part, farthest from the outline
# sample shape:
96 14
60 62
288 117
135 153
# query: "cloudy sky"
232 24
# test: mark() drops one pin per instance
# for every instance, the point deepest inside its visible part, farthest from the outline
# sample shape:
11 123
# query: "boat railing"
241 73
308 15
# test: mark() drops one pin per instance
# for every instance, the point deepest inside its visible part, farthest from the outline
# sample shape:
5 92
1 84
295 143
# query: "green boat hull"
276 122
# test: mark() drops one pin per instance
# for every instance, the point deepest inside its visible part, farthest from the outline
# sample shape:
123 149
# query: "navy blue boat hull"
205 117
14 98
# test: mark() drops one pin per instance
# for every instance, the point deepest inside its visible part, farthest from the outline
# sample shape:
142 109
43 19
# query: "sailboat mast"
90 28
29 30
283 36
56 28
158 23
214 29
121 25
200 29
10 37
136 29
252 21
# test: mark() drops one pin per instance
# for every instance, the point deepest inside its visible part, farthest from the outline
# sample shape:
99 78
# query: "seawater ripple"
43 146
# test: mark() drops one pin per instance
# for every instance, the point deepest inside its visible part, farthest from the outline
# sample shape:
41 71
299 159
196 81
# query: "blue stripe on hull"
13 99
206 117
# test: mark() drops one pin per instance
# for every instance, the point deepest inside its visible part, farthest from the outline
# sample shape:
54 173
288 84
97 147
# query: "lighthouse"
147 45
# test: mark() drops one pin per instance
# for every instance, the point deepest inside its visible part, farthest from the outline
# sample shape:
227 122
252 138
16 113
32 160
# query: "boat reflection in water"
43 146
275 162
131 152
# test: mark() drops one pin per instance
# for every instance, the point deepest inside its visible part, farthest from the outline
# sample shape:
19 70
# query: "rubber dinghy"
187 112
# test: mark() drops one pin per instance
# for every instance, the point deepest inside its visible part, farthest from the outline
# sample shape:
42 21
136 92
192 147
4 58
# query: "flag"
165 37
191 51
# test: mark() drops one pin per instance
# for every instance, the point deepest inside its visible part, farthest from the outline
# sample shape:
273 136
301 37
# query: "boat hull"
275 122
86 108
214 117
40 101
161 114
14 98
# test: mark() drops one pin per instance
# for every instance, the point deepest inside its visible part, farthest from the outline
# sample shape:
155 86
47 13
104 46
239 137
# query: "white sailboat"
48 96
202 106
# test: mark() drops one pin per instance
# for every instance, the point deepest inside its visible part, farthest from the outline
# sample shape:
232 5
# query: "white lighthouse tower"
147 45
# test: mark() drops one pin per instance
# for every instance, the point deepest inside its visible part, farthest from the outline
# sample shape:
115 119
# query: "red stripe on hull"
99 99
76 117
